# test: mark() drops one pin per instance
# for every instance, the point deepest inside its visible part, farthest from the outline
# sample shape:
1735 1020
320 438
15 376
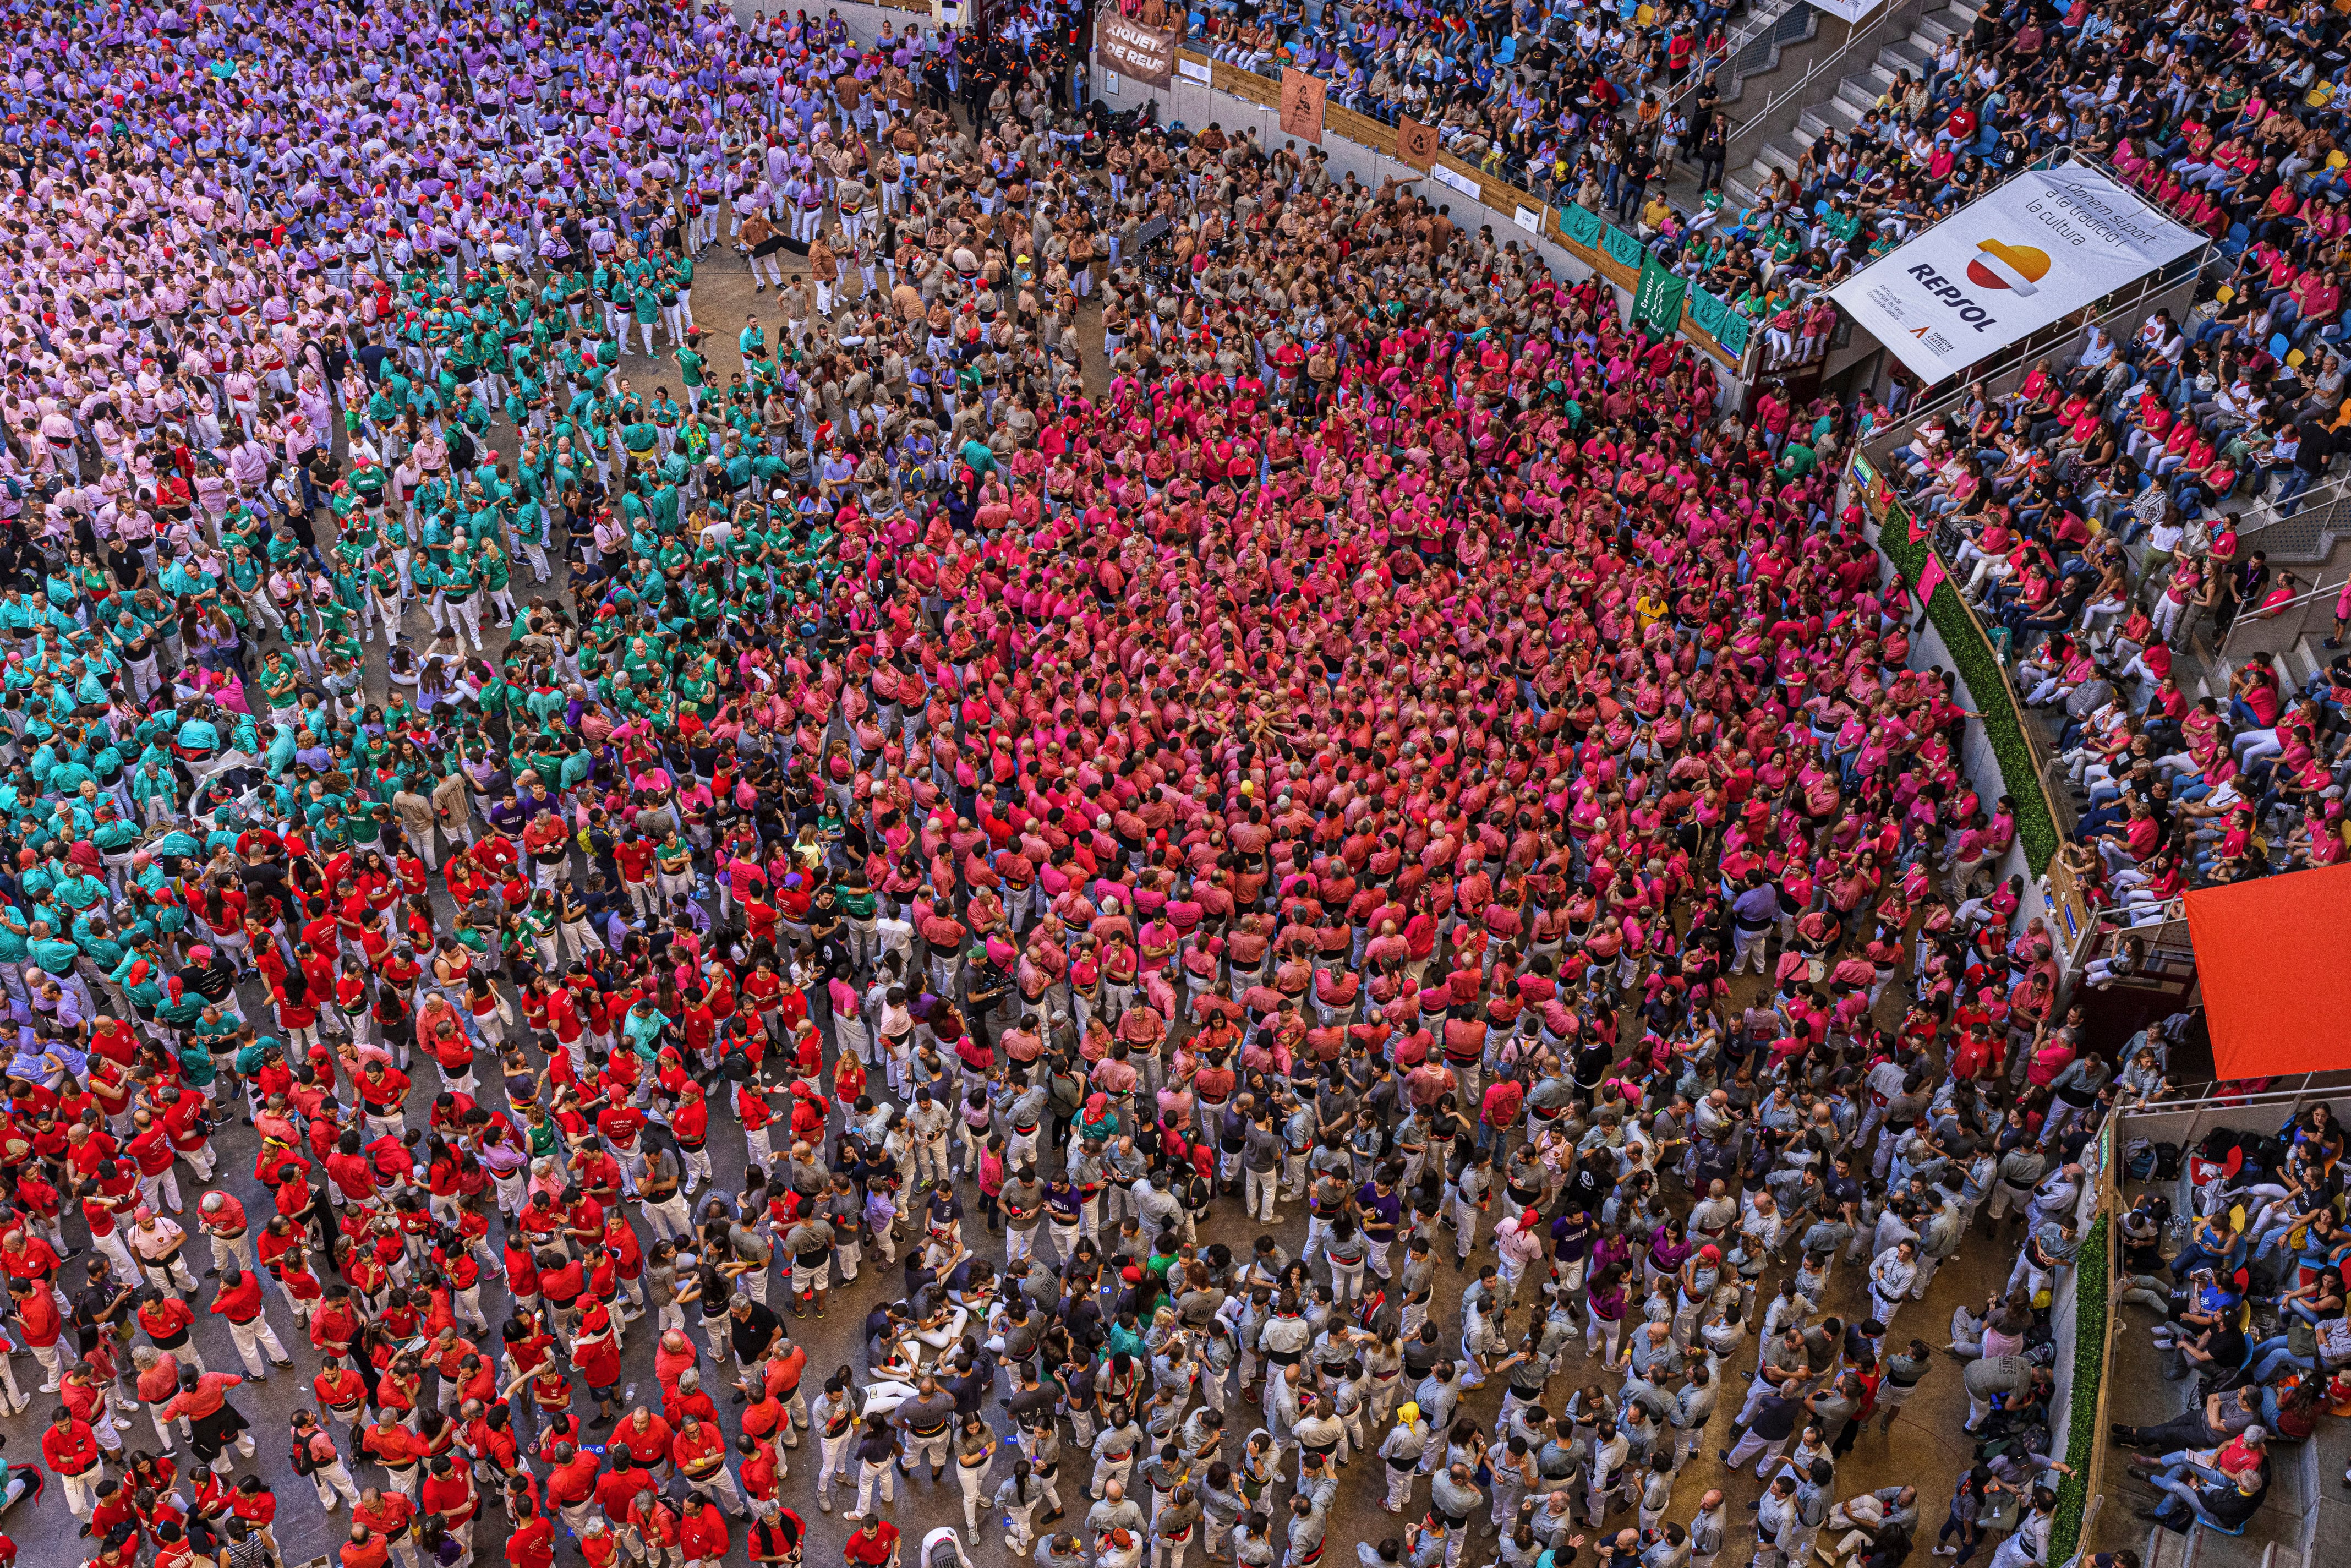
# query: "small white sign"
1528 219
1110 84
1193 70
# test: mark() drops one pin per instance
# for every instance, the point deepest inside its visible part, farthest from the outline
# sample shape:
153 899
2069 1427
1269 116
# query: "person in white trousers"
324 1461
241 1292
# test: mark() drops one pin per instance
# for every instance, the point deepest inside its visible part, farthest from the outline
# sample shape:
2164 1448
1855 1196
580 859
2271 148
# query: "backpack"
2166 1163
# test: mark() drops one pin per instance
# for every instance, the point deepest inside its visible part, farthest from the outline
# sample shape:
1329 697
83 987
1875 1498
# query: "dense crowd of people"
1341 739
2104 511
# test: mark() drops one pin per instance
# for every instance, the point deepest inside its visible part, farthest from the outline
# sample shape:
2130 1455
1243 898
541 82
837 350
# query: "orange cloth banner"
2269 955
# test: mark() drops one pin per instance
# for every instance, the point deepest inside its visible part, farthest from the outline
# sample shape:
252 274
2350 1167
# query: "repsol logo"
1953 296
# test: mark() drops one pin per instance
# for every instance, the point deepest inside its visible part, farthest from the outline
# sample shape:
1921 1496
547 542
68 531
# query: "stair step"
1967 13
2312 648
1833 115
1906 56
1855 90
1778 153
1934 29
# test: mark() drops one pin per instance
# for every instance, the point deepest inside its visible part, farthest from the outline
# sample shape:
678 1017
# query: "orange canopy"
2277 979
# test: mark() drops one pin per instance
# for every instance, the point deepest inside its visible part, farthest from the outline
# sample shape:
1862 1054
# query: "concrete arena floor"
1925 1447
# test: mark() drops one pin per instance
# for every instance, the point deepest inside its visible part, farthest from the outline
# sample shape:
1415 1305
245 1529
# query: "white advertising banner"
1850 12
2041 247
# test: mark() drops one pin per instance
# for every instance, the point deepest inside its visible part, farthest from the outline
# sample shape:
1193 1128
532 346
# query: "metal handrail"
1757 22
2318 498
2276 612
1818 68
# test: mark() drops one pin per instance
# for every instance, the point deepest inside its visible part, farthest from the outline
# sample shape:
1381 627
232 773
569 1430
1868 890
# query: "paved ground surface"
1924 1447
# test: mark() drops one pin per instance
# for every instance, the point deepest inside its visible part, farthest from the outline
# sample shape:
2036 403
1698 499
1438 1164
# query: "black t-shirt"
753 1331
2317 448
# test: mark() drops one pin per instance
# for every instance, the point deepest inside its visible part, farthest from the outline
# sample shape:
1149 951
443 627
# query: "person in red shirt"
874 1545
618 1490
689 1122
39 1320
365 1549
70 1448
619 1124
212 1421
531 1542
239 1300
571 1484
397 1449
448 1491
699 1452
703 1536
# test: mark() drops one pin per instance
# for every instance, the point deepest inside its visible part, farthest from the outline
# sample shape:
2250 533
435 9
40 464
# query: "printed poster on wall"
1128 47
2037 249
1301 104
1416 143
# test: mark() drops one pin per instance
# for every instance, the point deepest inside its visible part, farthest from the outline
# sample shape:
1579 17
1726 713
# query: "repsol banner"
2041 247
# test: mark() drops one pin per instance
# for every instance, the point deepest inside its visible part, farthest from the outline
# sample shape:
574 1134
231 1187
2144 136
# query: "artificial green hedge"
1979 667
2089 1369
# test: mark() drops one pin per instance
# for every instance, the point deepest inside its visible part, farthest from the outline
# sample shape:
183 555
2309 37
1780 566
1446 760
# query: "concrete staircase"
1841 108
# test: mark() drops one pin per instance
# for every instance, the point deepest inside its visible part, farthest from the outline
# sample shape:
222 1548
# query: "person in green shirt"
690 369
458 582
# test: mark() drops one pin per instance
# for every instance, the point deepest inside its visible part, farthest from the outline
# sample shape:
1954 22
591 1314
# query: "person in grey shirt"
1221 1502
1454 1497
1904 1369
1116 1510
1310 1512
1693 1408
1834 1405
1991 1378
751 1247
1159 1208
1261 1160
927 1420
1178 1520
1252 1548
2018 1173
1024 1208
1432 1546
1063 1552
1436 1395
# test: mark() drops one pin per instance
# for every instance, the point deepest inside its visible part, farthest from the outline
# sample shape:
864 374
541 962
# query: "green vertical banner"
1657 301
1622 249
